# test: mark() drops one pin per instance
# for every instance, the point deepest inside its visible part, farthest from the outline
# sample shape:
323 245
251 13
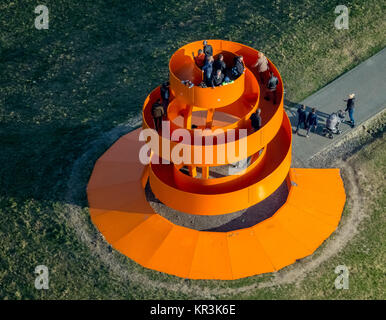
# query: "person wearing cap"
199 59
208 50
262 67
350 108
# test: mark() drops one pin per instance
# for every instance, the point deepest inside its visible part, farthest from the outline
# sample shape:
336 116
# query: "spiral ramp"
121 212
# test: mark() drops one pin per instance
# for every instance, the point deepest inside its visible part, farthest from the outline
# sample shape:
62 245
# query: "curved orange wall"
240 99
120 210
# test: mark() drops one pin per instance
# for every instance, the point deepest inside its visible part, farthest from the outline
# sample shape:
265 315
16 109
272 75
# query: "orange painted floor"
120 211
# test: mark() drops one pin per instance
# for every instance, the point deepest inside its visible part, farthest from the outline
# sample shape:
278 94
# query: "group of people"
267 77
333 121
215 72
309 120
270 81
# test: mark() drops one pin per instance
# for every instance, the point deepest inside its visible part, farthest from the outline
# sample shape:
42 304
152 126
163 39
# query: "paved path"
367 81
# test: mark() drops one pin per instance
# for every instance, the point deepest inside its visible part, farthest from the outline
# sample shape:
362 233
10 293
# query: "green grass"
61 88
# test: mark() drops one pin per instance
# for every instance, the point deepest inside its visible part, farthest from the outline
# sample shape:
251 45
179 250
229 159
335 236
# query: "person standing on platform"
165 95
238 69
217 79
256 120
208 71
157 111
219 64
271 88
262 67
208 50
199 59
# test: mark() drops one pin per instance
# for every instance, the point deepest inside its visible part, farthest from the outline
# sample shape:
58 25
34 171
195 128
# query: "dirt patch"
80 222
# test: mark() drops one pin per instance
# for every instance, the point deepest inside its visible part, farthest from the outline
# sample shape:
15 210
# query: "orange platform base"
120 211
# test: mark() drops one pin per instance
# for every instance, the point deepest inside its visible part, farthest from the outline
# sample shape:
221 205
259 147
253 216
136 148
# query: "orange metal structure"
118 204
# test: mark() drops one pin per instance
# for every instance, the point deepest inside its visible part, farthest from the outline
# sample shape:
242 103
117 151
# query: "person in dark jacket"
302 116
271 87
157 111
312 121
208 71
238 68
208 50
350 108
256 120
219 64
165 95
217 79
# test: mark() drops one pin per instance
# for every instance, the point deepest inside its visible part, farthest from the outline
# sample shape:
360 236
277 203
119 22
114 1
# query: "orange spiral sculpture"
118 204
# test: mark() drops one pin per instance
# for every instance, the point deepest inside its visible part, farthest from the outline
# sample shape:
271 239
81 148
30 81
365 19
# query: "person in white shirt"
262 67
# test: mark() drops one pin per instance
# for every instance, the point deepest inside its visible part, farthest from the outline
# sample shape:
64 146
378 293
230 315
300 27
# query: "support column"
209 118
193 171
188 125
188 117
205 172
